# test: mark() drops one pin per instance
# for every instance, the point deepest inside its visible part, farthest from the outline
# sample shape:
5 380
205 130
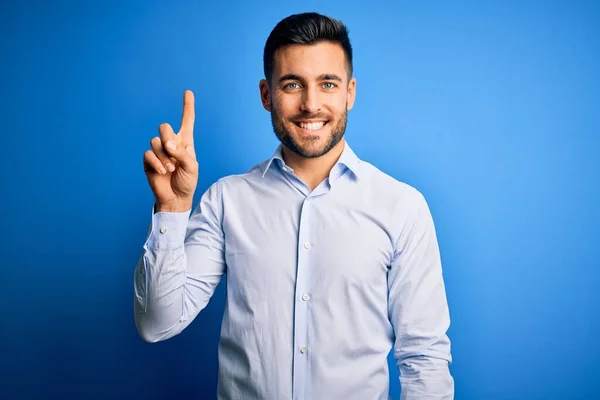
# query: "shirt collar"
277 155
347 159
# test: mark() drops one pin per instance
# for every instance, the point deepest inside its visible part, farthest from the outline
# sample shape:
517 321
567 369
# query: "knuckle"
157 148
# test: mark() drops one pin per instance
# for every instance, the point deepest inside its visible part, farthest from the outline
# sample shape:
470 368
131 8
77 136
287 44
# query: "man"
330 263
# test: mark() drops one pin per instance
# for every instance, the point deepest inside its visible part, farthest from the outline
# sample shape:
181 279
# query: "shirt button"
307 245
305 297
163 229
303 350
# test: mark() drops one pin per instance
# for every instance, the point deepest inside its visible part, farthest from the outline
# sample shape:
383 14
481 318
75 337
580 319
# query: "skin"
173 172
310 83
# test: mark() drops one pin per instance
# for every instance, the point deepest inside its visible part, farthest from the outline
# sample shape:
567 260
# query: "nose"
311 102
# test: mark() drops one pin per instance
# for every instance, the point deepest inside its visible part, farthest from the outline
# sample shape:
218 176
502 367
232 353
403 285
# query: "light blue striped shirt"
321 284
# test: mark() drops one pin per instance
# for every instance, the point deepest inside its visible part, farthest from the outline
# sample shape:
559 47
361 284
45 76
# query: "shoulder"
252 174
238 184
389 188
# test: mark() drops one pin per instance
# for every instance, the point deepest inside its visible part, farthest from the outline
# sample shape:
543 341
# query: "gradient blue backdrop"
491 109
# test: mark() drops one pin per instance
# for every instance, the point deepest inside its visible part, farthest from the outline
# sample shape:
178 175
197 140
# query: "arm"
418 309
181 265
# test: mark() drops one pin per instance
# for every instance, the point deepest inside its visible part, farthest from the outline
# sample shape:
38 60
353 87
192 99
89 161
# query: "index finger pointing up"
187 120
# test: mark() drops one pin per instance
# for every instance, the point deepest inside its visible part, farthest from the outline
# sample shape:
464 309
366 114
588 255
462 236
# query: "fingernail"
171 146
170 167
162 170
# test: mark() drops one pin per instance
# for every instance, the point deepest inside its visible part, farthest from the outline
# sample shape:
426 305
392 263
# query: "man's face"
309 97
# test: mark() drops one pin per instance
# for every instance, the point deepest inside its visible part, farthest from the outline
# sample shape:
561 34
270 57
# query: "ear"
265 94
351 96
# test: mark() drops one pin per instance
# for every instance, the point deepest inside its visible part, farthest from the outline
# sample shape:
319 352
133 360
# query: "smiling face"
309 96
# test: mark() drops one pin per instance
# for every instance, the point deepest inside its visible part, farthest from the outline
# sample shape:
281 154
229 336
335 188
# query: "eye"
329 85
291 86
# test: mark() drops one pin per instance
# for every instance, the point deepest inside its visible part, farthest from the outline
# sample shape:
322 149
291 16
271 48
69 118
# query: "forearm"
160 294
181 266
159 280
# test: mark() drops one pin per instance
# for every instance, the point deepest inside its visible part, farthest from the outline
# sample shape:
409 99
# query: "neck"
313 171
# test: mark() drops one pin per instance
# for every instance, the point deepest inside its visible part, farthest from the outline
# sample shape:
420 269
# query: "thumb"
181 155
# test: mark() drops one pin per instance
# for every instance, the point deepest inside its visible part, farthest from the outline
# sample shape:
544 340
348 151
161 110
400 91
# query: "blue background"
491 109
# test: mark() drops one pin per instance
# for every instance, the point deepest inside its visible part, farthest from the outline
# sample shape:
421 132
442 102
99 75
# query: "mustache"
305 116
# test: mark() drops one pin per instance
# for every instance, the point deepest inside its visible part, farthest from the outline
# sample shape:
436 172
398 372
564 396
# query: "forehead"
310 60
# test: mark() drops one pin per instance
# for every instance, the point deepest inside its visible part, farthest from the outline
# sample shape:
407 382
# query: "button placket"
301 304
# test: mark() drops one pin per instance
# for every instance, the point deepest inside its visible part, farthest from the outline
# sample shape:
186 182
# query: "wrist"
176 206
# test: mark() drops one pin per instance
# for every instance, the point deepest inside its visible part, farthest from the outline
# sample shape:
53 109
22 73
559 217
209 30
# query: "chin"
309 146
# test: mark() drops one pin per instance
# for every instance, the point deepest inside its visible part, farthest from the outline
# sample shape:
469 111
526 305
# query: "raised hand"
171 166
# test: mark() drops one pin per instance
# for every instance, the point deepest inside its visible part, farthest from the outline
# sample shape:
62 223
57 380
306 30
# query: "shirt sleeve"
418 309
181 265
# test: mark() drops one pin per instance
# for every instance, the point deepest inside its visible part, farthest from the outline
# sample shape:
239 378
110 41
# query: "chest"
323 242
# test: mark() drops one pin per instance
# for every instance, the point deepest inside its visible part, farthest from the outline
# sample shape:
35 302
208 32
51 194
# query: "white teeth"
313 126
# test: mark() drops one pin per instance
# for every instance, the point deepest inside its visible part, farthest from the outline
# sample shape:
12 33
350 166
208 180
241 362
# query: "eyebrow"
329 77
322 77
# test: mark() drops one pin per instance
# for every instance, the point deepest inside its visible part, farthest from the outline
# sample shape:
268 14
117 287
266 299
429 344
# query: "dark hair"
306 28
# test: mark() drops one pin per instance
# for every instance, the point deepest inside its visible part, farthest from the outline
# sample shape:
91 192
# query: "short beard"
286 138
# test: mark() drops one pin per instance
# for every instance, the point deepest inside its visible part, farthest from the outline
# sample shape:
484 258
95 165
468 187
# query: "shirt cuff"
167 230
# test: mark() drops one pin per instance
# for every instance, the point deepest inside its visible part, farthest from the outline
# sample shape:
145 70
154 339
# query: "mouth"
311 126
